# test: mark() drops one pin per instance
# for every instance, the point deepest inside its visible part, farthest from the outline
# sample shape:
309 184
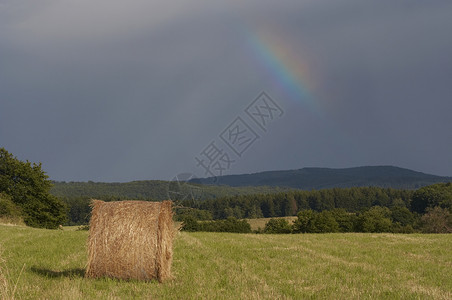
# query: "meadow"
49 264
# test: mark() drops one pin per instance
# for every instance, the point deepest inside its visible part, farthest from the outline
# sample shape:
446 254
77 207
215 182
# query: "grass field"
45 264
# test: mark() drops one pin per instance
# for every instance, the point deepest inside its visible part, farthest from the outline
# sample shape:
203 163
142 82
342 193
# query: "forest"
264 205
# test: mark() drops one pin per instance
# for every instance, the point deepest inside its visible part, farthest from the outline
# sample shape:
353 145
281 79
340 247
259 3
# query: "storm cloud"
117 91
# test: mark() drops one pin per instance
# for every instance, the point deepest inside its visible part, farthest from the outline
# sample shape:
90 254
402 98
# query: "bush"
230 224
190 224
277 226
398 228
310 221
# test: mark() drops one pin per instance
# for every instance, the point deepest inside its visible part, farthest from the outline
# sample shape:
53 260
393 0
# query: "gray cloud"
116 91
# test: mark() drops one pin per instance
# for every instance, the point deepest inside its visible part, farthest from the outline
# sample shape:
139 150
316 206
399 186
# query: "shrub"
230 224
309 221
277 226
398 228
190 224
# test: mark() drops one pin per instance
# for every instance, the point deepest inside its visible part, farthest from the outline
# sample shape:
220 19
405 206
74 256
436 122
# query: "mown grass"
240 266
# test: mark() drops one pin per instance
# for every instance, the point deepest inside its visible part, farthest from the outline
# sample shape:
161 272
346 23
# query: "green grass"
45 264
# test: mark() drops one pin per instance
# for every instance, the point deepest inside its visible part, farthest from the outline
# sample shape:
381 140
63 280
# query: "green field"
46 264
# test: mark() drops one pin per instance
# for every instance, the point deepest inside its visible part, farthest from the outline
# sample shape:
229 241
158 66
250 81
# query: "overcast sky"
131 90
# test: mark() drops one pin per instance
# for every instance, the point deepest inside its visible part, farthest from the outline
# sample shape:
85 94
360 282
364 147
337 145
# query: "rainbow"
287 69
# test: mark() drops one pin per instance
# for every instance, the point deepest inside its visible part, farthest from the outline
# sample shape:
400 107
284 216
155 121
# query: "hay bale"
130 240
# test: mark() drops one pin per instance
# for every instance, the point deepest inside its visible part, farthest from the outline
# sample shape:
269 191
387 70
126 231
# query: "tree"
402 215
255 212
345 220
289 205
305 221
310 221
79 210
431 196
325 222
29 188
437 220
376 219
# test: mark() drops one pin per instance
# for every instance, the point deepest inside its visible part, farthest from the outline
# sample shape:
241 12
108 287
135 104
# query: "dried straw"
130 240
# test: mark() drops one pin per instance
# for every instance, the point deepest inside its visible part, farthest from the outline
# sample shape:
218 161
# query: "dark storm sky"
127 90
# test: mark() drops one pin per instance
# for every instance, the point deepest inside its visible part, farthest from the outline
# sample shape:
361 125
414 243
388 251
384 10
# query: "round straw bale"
130 240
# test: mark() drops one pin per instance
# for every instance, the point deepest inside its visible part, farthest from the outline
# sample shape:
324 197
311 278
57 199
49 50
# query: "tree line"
289 203
375 219
368 209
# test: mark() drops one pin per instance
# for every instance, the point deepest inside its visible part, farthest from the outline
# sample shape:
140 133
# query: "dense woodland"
333 210
276 204
289 203
426 210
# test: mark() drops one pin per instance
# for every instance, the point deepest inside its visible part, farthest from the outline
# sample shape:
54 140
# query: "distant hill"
323 178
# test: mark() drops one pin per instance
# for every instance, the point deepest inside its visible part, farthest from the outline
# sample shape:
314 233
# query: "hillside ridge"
320 178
